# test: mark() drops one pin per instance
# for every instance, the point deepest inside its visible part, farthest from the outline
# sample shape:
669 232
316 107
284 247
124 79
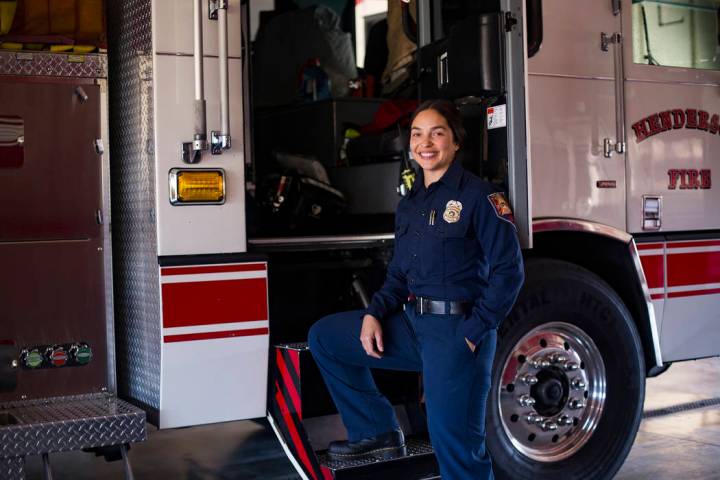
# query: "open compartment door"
476 56
519 184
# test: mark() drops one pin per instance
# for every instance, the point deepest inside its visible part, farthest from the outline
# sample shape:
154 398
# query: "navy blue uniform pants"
456 382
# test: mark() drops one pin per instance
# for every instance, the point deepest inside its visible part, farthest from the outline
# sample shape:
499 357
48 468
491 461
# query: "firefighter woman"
455 273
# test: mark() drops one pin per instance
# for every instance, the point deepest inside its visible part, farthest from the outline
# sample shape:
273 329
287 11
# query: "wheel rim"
552 391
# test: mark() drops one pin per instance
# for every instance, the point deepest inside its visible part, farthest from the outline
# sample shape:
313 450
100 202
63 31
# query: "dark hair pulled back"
450 113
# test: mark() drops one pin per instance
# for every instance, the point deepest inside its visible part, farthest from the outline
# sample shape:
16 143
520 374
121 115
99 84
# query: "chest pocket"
455 230
448 248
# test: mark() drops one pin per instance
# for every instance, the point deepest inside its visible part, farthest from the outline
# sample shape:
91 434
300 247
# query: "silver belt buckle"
421 302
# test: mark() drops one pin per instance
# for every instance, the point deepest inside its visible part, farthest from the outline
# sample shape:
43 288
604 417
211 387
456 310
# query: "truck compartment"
330 143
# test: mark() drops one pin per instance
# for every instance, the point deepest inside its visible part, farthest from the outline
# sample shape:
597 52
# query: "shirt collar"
452 178
453 175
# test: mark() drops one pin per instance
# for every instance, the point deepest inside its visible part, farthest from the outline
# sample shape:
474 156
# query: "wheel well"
609 259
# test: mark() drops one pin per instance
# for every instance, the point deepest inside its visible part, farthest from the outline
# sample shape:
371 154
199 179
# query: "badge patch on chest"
452 211
502 207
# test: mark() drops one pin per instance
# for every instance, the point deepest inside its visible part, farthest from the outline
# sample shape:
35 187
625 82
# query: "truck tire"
568 379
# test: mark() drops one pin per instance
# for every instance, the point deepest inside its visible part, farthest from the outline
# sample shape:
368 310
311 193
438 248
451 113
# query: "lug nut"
571 366
540 363
549 426
533 418
528 379
565 420
559 358
526 401
577 384
576 404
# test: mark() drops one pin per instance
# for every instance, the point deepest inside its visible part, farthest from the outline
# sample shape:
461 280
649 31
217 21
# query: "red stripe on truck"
294 434
654 269
289 384
649 246
246 267
189 337
693 268
206 303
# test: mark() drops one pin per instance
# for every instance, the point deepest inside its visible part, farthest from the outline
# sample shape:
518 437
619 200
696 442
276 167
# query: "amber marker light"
198 186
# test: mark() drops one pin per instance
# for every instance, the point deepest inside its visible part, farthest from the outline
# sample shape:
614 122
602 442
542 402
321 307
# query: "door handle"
192 151
616 41
220 140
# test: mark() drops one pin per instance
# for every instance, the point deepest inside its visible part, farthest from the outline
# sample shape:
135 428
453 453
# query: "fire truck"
177 212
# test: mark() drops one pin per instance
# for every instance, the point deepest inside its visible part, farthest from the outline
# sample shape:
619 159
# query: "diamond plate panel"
69 423
12 468
137 291
53 64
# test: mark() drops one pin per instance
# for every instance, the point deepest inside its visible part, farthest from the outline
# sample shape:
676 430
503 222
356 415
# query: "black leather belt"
440 307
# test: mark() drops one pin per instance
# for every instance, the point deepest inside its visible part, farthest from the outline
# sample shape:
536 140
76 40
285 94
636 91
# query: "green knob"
34 359
82 354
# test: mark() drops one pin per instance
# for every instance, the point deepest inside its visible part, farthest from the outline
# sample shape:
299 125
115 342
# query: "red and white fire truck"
253 185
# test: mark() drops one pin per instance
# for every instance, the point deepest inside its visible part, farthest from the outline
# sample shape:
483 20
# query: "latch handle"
192 151
220 140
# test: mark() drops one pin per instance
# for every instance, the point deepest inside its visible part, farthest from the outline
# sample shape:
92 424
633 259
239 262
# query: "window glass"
676 33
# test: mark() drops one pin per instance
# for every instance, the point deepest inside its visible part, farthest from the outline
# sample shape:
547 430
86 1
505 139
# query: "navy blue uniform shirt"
454 240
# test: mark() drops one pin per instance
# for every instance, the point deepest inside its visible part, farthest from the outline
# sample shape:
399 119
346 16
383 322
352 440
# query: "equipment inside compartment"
333 88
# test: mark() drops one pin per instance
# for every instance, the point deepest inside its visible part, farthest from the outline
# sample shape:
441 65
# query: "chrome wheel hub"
552 391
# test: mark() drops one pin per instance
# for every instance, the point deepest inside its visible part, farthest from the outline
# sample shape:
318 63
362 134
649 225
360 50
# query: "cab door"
672 69
573 117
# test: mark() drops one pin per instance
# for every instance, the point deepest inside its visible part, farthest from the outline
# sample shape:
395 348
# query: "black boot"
386 445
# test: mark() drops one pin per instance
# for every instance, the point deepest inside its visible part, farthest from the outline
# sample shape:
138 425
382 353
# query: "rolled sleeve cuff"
375 311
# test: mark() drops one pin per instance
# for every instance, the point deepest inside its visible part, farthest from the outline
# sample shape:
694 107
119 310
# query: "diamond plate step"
419 463
62 424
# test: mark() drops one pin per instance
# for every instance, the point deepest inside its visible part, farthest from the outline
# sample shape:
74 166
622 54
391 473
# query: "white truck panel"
198 229
571 39
649 160
691 328
571 92
214 380
173 28
569 119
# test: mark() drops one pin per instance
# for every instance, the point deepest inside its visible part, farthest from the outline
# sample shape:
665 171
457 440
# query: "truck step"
418 464
302 414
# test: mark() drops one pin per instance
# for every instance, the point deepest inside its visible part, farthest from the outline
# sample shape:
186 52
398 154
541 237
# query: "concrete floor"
683 445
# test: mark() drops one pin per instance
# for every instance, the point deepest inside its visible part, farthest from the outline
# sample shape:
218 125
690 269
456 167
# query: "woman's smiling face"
431 141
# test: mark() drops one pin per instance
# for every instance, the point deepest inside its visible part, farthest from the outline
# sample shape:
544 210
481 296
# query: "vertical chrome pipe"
200 122
619 94
223 59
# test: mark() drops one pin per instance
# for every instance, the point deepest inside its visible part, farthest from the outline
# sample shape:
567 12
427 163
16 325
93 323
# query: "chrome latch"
652 209
192 151
214 6
610 146
219 142
606 40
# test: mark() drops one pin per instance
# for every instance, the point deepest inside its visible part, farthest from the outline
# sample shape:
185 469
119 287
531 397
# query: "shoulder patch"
502 207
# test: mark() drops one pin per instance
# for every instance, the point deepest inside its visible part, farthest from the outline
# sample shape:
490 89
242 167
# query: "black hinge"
510 22
616 7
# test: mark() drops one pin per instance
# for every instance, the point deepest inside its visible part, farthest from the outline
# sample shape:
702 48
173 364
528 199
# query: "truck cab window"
676 33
